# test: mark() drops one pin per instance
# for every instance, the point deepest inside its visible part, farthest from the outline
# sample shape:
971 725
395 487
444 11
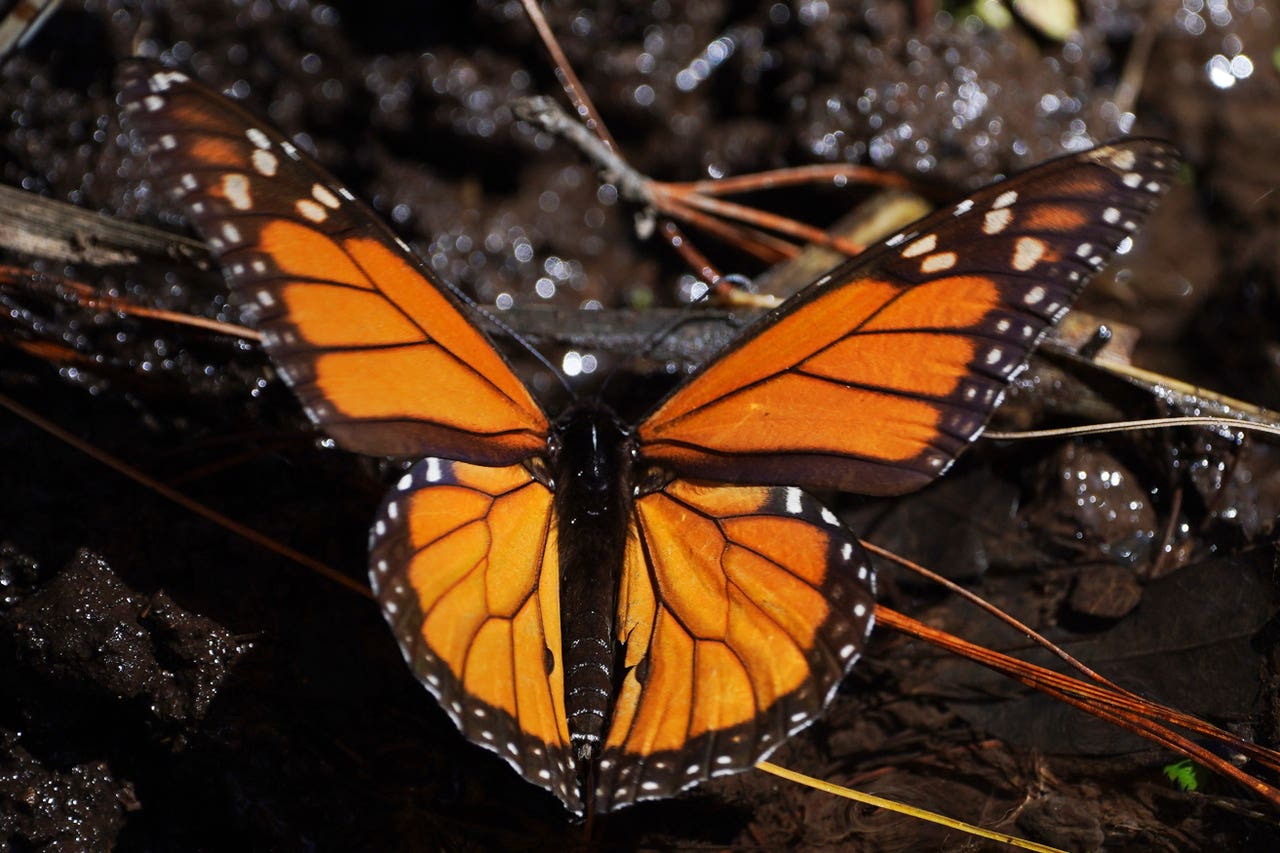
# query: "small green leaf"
1185 774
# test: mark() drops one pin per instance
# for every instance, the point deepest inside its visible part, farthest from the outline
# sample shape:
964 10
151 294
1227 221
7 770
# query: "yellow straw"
902 808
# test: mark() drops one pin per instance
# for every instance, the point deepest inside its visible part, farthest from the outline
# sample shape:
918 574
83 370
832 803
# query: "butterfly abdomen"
591 468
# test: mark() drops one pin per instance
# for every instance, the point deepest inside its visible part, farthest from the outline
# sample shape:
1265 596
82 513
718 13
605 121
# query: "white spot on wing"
265 162
236 188
939 262
963 207
405 482
1005 199
258 138
321 194
1027 252
996 221
310 210
153 102
925 244
794 500
434 472
162 80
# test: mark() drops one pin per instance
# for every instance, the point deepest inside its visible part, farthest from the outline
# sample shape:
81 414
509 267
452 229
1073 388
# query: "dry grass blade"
903 809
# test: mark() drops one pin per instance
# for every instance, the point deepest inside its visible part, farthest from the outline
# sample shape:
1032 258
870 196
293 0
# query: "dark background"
287 721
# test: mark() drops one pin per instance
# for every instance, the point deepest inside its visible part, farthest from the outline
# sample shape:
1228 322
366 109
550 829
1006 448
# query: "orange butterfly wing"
378 350
875 377
740 610
464 563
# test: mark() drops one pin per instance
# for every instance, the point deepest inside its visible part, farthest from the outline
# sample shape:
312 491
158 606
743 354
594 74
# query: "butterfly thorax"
591 459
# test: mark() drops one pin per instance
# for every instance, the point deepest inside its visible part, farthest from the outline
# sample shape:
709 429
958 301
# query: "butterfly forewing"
377 349
874 378
463 561
740 610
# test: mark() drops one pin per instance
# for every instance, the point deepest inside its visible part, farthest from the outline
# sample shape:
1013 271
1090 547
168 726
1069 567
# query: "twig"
551 117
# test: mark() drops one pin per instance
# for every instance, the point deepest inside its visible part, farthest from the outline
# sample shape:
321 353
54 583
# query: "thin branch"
834 173
568 79
182 500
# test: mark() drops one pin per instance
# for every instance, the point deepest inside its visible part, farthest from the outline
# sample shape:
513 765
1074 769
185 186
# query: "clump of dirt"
77 808
73 645
88 631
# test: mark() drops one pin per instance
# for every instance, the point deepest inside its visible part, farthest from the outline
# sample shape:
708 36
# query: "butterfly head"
594 449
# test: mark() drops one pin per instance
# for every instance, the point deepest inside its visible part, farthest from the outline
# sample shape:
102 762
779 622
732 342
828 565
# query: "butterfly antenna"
679 320
505 328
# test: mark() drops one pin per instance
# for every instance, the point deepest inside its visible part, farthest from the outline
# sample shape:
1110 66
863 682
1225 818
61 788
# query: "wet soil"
169 686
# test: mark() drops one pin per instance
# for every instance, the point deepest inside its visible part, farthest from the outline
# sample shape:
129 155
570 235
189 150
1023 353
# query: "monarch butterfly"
622 610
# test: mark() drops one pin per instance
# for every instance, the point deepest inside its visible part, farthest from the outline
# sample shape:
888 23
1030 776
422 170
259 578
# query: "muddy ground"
169 686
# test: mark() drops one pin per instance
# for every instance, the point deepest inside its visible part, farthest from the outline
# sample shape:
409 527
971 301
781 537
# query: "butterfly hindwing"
875 377
338 298
740 610
463 560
